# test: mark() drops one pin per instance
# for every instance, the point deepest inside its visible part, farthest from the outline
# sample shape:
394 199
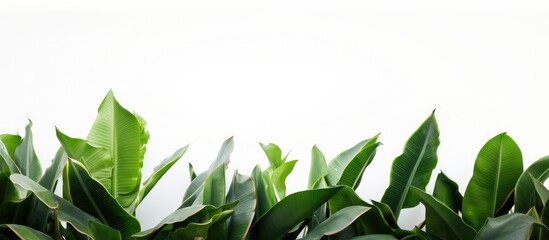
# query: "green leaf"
192 174
450 226
193 219
122 134
159 171
542 191
27 184
352 175
447 192
214 188
8 165
413 167
10 143
338 165
337 222
264 201
242 189
26 233
54 171
375 237
497 169
507 227
293 209
74 216
279 177
92 197
274 154
525 194
98 161
25 157
319 168
197 184
378 220
101 231
201 230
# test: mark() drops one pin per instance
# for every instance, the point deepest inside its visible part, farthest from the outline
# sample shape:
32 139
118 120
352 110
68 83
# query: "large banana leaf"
525 196
413 167
92 197
375 237
352 174
279 177
195 219
337 222
26 158
242 189
450 226
101 231
10 143
197 184
290 211
341 162
265 199
27 185
122 133
214 188
202 230
23 232
279 169
274 154
158 172
509 227
497 169
8 164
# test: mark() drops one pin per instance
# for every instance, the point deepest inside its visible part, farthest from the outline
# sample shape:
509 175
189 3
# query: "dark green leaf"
337 222
26 233
509 227
338 165
525 194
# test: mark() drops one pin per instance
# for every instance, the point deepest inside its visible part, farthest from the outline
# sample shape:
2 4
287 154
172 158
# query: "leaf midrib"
114 151
498 173
88 194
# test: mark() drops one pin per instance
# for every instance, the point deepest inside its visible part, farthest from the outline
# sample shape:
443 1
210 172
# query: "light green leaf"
508 227
27 184
319 168
26 158
450 226
274 154
92 197
525 194
337 166
10 143
413 167
214 188
264 200
497 169
122 134
279 177
293 209
101 231
337 222
242 189
25 232
192 174
8 165
197 184
159 171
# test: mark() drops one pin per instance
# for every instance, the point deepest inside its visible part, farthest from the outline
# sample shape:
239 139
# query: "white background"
295 74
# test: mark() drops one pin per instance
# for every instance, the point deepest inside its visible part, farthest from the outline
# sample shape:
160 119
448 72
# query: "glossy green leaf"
92 197
98 161
45 195
274 154
8 164
352 174
74 216
293 209
54 171
497 169
337 222
242 189
279 177
121 133
159 171
25 232
180 215
197 184
201 230
541 190
101 231
525 194
413 167
10 143
319 168
447 192
26 158
509 227
337 166
450 226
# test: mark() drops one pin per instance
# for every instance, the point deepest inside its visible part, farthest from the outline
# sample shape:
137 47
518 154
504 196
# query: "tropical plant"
103 187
